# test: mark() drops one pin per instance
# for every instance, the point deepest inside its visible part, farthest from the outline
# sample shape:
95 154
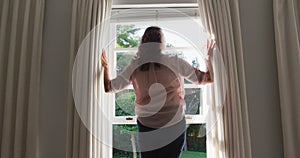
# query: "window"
125 34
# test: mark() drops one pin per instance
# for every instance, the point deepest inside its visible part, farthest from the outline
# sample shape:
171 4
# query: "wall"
261 78
260 65
53 109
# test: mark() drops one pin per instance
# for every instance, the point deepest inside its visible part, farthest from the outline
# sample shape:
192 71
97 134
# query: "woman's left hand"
209 74
210 46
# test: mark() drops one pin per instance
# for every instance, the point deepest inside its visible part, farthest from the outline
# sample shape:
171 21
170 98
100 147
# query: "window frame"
191 119
131 120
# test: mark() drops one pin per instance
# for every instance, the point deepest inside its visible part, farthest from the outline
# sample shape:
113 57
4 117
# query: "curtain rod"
149 6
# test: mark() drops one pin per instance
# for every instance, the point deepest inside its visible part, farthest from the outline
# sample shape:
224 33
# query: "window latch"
129 118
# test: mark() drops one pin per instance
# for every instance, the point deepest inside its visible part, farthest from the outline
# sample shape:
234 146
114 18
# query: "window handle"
189 117
129 118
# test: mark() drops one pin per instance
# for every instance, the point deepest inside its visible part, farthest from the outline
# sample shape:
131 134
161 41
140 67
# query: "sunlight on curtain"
215 99
86 137
230 136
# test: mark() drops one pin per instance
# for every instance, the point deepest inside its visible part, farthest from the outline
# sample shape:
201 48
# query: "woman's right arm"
106 82
118 83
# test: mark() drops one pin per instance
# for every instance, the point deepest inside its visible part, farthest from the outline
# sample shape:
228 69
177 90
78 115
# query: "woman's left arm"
209 74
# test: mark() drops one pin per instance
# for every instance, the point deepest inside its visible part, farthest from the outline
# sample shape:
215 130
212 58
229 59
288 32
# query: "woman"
157 80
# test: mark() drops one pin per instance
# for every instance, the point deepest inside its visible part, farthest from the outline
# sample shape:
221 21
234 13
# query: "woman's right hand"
106 80
104 59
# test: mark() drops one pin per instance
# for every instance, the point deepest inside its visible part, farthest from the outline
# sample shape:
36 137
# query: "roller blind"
153 14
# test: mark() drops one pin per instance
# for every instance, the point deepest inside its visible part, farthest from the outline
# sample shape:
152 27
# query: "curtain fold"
287 37
21 28
88 37
221 18
214 95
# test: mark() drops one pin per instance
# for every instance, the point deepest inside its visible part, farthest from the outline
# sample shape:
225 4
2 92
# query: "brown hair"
151 34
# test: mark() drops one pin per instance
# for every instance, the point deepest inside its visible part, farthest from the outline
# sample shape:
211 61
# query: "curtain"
21 25
221 18
214 99
287 37
85 119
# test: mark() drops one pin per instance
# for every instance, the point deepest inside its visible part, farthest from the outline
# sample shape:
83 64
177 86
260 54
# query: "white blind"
126 2
153 14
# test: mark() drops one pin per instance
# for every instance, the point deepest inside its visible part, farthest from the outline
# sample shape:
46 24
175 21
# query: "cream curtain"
85 119
20 63
214 99
287 34
221 18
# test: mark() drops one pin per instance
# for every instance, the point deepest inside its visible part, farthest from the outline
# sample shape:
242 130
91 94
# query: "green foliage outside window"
124 103
127 36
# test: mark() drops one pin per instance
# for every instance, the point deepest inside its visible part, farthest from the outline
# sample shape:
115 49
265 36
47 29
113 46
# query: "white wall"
260 64
53 109
261 78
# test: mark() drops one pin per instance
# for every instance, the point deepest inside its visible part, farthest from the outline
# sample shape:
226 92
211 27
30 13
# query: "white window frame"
191 119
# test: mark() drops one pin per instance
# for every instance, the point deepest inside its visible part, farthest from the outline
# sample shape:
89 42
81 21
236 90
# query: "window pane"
195 141
187 82
124 141
123 59
124 103
127 36
193 99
